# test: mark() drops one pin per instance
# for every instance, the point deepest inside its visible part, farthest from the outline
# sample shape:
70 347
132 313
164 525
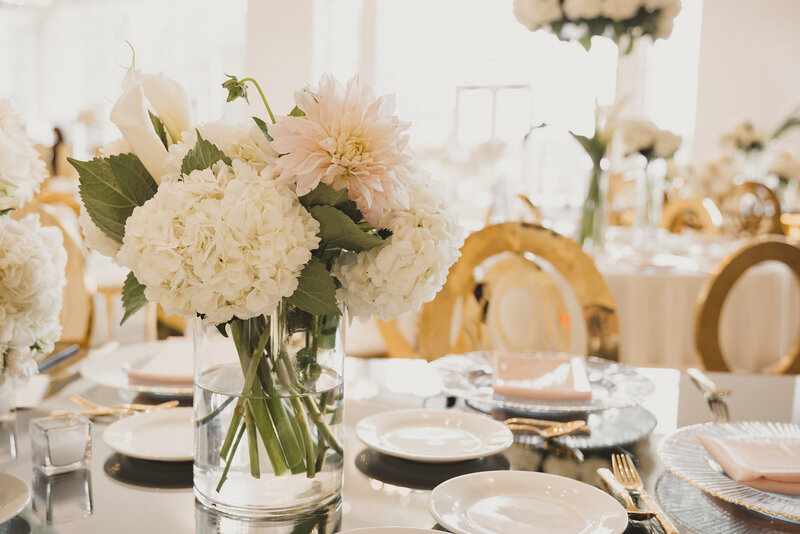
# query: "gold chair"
456 320
709 310
751 209
791 226
697 214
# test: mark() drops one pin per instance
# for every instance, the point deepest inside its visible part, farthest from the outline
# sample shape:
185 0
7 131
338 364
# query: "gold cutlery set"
92 409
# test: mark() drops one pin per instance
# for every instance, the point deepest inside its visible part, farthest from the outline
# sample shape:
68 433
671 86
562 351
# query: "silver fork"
719 409
714 396
628 476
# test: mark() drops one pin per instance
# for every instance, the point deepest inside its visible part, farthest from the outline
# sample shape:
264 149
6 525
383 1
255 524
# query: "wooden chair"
701 215
710 305
461 318
751 209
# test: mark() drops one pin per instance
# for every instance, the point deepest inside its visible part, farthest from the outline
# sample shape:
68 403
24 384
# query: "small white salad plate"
14 496
496 502
434 435
163 435
391 530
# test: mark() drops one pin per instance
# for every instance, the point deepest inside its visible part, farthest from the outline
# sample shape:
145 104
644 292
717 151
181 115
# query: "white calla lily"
170 102
130 115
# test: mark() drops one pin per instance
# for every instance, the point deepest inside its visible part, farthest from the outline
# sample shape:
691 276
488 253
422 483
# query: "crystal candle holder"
61 443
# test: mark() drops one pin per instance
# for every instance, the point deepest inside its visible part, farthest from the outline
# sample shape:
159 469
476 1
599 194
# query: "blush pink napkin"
173 365
547 377
767 466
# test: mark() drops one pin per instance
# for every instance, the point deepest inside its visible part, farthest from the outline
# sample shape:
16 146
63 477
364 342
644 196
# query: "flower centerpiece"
268 230
32 262
654 147
622 21
593 214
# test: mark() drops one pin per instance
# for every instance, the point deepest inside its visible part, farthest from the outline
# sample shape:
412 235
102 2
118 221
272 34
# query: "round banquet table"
657 293
378 490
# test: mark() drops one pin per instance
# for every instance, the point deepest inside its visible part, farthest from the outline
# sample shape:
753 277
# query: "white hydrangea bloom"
582 9
668 10
744 136
644 137
239 141
21 169
620 9
228 242
666 144
95 238
410 267
32 275
534 14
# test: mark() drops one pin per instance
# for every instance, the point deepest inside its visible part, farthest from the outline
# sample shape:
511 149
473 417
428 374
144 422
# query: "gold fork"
554 430
628 476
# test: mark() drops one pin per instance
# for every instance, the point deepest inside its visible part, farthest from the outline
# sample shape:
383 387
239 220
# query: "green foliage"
296 112
338 230
324 195
3 212
111 188
263 127
316 290
158 126
202 156
594 146
133 298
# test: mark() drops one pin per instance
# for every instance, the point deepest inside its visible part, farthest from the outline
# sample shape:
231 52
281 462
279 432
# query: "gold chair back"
709 310
455 321
697 214
751 209
77 313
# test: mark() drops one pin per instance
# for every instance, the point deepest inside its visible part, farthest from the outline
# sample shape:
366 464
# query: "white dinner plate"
163 435
111 368
391 530
434 435
497 502
14 496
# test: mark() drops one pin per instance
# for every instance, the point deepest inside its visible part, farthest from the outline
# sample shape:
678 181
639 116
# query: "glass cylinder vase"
593 215
650 181
7 397
268 409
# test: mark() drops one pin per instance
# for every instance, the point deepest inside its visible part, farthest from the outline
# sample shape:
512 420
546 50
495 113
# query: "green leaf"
202 156
296 112
324 195
111 188
3 212
161 132
235 88
133 298
316 290
339 230
263 127
592 145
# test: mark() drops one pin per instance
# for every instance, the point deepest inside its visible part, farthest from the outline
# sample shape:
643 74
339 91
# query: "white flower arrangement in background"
645 138
32 276
714 178
21 169
744 137
623 21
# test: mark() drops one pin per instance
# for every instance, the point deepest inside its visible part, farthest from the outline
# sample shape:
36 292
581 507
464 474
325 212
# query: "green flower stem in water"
592 216
273 405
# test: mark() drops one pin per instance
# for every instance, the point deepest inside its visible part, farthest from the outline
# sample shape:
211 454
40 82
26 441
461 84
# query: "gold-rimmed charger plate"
684 455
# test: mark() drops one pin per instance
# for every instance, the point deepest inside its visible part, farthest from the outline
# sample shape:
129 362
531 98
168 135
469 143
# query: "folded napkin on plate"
173 365
541 377
767 466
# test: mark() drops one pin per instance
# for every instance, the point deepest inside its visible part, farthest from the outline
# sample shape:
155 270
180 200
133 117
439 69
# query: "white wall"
749 51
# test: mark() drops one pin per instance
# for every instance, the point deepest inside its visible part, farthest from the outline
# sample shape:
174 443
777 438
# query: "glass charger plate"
684 455
111 369
700 512
613 384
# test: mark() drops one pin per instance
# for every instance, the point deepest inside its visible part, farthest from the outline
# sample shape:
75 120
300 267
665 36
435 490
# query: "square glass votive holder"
61 443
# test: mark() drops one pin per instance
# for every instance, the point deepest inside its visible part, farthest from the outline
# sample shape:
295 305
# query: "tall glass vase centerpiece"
266 231
593 214
650 147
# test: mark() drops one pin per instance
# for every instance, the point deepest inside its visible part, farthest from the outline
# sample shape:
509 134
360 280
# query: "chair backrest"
751 208
697 214
461 318
77 313
712 299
